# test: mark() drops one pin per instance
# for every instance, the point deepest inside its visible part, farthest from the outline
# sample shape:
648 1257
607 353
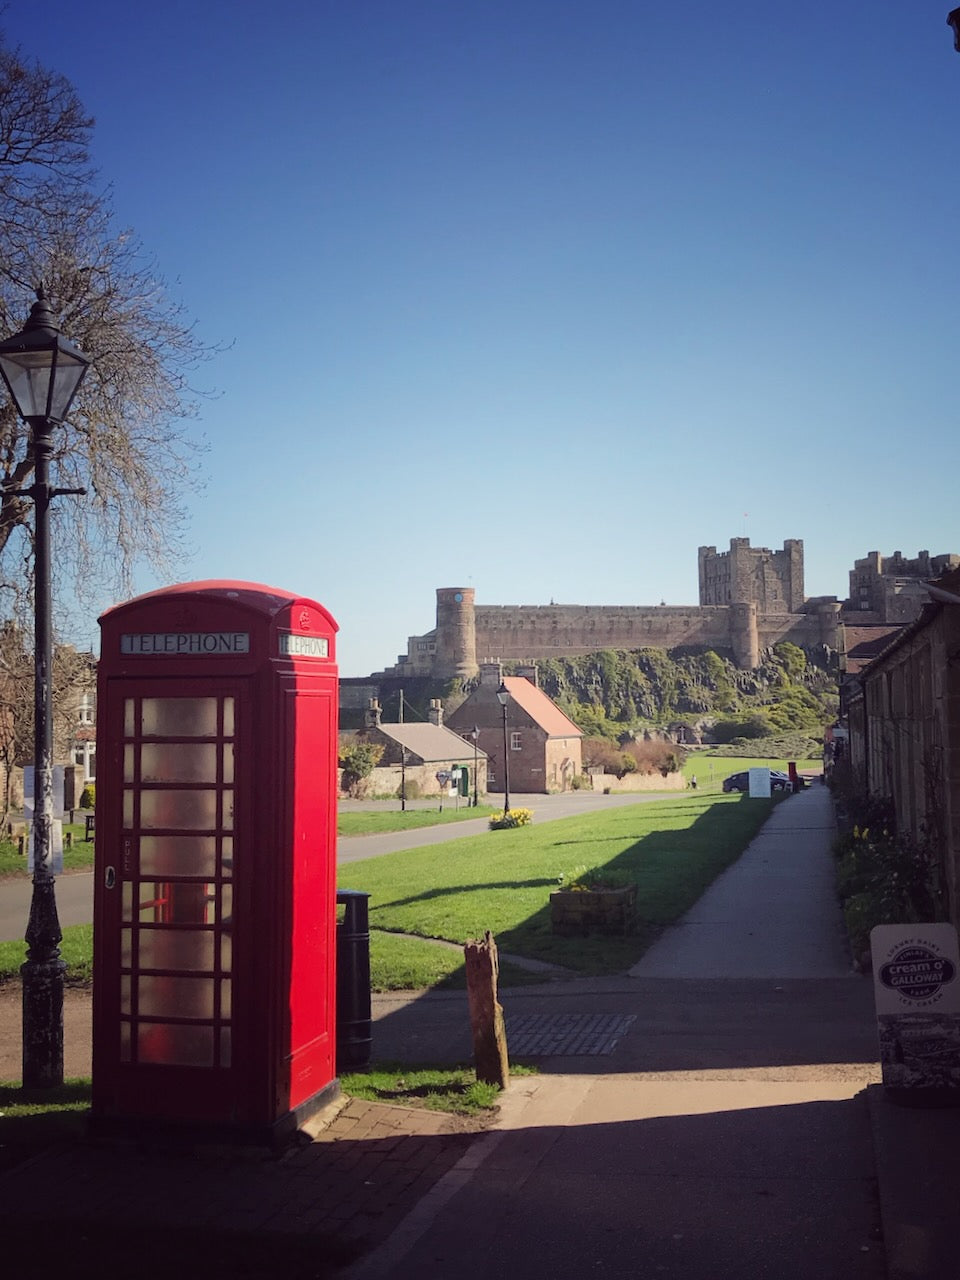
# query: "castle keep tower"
772 580
456 635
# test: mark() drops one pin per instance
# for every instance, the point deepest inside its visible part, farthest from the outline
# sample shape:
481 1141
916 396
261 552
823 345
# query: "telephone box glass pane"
177 903
125 1039
226 856
175 997
129 717
227 810
129 759
178 855
125 991
228 762
178 762
226 903
179 717
128 810
189 950
225 997
189 810
171 1045
228 730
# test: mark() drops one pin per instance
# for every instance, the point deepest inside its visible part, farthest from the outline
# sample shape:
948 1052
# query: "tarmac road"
75 890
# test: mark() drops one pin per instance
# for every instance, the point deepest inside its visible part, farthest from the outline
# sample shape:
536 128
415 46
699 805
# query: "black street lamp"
953 20
42 371
503 697
476 738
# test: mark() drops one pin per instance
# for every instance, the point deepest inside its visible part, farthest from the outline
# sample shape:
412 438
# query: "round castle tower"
744 635
456 635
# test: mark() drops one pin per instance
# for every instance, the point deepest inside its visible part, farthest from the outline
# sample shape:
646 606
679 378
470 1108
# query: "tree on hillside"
124 442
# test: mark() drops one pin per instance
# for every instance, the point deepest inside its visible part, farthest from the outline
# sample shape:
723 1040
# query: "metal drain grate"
536 1035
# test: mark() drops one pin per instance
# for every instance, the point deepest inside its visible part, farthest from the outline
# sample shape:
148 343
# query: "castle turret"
456 652
744 635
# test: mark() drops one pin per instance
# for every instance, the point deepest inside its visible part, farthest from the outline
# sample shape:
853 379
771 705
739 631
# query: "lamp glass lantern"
41 368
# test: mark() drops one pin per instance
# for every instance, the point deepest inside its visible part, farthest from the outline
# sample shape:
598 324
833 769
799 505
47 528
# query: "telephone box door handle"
110 877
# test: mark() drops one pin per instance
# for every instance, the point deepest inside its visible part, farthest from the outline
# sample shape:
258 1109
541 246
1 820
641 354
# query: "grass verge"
451 1089
76 950
77 858
368 823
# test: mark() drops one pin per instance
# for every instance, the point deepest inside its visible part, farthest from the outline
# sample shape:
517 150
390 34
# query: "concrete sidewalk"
726 1123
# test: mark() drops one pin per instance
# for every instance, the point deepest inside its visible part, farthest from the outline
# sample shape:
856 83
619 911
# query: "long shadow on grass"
469 888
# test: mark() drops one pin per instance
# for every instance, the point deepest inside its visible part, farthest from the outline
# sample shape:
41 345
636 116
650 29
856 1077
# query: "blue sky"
537 296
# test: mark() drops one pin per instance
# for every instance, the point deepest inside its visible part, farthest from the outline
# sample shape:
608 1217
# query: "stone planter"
578 912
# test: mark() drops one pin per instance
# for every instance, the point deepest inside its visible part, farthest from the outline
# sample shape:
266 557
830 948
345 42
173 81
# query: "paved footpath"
720 1122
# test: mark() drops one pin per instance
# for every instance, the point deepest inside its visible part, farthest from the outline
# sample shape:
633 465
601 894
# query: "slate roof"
863 644
432 743
540 708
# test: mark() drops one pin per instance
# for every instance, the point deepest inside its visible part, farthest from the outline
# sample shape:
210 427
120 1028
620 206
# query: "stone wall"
638 782
515 632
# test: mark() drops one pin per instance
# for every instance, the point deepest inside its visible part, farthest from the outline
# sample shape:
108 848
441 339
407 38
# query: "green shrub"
88 796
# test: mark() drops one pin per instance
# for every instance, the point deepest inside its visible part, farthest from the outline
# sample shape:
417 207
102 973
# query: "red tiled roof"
540 708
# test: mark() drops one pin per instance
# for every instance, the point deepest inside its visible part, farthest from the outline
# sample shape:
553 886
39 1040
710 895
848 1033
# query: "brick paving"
340 1194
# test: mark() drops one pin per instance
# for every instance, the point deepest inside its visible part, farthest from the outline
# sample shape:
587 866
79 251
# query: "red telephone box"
215 898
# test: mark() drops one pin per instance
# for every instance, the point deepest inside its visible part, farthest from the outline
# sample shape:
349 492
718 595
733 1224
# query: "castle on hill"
750 599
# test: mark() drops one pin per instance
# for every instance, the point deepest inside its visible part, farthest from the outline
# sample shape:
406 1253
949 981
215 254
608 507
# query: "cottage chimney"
491 675
530 673
436 712
371 719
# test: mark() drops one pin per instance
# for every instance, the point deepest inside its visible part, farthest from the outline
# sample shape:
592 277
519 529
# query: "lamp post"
503 697
42 371
953 20
476 738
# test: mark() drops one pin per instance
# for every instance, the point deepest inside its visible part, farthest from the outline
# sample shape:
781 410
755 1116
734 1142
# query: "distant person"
693 781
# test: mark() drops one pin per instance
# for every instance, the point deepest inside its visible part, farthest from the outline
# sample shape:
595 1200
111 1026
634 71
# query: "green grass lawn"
711 770
12 862
362 823
502 880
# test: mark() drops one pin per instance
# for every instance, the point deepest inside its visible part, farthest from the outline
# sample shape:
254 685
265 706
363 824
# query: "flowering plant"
512 818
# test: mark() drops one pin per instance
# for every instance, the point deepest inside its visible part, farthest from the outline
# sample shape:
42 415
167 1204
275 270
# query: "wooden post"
486 1013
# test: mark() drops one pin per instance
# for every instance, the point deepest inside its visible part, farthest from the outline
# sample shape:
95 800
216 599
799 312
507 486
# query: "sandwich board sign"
916 986
759 781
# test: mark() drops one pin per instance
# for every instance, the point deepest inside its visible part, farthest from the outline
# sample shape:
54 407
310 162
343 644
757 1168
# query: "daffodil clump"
512 818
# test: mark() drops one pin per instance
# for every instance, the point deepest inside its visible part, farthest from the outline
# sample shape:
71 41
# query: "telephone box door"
169 905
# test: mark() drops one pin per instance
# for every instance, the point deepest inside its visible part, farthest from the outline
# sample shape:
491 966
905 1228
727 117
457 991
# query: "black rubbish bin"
354 1036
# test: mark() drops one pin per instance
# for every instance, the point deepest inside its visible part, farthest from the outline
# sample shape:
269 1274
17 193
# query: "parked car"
779 781
737 782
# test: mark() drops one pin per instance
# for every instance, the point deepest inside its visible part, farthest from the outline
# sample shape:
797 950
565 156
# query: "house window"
514 741
85 712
